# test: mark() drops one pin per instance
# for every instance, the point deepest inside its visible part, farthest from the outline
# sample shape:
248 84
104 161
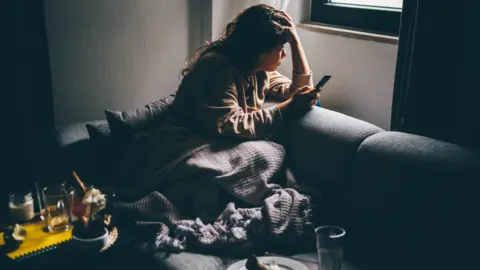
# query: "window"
376 16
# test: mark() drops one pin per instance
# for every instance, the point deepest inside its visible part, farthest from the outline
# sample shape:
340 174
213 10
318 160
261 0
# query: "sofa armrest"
321 148
322 144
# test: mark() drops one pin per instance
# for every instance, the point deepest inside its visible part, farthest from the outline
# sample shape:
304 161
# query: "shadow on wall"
199 24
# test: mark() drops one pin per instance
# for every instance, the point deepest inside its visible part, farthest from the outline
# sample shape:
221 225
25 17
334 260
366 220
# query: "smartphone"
320 84
323 81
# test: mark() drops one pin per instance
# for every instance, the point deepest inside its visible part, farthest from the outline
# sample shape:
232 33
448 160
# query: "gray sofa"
391 191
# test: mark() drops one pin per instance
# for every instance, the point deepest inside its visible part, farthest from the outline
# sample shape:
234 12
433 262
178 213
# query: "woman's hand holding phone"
300 102
305 97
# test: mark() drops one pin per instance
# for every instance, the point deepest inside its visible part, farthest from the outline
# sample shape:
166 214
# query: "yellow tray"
37 239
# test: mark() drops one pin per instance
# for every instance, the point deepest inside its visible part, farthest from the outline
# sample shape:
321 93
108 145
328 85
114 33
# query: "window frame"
378 20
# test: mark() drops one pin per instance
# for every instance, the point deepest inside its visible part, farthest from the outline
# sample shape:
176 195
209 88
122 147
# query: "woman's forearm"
299 59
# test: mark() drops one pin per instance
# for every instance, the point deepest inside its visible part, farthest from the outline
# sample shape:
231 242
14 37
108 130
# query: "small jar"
21 206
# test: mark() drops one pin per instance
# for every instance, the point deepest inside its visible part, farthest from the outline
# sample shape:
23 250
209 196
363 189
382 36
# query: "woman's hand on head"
287 17
300 102
289 29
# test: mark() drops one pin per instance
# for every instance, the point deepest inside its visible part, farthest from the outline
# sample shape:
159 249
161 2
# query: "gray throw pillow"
125 124
98 133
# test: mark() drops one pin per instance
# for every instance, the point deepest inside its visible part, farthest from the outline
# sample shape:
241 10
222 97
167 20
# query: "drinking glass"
57 208
20 205
330 247
77 209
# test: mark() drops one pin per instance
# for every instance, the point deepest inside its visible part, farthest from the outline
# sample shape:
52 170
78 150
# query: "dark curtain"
434 93
27 94
39 118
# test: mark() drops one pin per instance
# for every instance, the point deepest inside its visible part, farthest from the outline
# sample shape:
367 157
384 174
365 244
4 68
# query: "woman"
224 90
205 176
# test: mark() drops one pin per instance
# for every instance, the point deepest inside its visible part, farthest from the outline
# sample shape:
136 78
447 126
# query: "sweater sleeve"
221 114
281 87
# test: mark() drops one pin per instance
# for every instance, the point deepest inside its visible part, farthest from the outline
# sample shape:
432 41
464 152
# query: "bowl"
90 244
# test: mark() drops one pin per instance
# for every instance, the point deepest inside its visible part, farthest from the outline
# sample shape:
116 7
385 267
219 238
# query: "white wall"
363 71
220 17
117 54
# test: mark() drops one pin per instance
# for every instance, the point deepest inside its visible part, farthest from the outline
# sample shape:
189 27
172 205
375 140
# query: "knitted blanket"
190 191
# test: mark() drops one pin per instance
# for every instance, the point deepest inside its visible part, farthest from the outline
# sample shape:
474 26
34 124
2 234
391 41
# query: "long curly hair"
256 30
